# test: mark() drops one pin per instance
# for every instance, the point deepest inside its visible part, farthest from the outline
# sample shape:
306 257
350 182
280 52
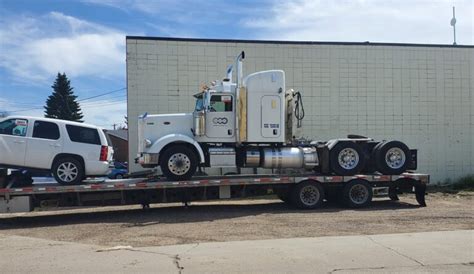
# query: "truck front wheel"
178 163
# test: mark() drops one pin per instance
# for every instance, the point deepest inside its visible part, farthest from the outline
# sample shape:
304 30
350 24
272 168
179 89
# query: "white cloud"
105 113
365 20
34 49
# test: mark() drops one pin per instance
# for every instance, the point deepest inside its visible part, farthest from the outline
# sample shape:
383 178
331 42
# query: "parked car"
70 150
119 171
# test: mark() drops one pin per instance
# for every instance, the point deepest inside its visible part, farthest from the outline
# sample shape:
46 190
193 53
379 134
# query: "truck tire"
346 158
178 163
391 158
307 195
68 171
357 194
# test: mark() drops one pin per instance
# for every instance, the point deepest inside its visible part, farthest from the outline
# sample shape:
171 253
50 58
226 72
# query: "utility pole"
453 23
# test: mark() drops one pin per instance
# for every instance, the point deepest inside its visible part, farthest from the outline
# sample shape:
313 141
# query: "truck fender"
176 138
331 143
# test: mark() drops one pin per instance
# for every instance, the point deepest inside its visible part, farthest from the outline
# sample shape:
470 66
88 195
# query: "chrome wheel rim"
309 195
179 163
395 158
67 172
348 158
359 194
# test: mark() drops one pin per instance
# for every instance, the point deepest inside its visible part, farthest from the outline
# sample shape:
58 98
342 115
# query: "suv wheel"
68 171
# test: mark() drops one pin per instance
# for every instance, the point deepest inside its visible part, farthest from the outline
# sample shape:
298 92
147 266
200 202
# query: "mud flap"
393 194
420 192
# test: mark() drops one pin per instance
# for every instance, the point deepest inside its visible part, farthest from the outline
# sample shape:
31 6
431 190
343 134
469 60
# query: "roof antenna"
453 23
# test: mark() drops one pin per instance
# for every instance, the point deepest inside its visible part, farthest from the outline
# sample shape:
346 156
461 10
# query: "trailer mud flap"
420 193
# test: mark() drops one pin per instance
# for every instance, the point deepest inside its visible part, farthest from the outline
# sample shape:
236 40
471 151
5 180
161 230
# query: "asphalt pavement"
447 251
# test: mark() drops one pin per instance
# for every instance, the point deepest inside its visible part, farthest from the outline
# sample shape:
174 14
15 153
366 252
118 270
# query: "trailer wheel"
391 158
178 163
346 158
307 195
68 171
357 194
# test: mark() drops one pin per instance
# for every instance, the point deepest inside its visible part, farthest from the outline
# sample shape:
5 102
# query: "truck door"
271 116
220 117
13 142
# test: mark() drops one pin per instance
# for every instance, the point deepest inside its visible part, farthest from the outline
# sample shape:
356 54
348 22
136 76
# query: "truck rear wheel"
357 193
178 163
307 195
391 158
346 158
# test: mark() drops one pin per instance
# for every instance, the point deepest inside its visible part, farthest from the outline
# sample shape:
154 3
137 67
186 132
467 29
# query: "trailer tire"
391 158
357 194
307 195
346 158
68 171
178 163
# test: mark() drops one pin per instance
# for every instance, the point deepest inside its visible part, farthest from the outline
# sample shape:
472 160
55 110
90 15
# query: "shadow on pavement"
196 212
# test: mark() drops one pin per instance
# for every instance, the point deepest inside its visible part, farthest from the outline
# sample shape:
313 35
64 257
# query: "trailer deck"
146 191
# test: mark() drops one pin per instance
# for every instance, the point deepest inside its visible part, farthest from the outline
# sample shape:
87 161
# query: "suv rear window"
45 130
83 134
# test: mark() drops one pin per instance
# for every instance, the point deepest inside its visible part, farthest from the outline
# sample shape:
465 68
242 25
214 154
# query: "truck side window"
16 127
221 103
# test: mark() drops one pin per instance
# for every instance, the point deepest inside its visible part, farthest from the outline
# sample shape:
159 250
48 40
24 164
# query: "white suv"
70 150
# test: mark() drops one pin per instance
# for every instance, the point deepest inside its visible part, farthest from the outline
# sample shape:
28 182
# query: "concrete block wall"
418 94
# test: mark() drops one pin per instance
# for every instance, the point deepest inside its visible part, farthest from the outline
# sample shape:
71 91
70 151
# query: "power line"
104 104
99 95
88 98
105 101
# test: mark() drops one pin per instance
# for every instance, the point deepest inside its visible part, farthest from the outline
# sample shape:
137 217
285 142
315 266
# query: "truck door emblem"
220 120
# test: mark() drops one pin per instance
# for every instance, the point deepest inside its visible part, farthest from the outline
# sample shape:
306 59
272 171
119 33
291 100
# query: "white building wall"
421 95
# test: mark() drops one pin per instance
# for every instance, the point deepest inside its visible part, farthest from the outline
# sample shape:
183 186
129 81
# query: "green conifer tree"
62 104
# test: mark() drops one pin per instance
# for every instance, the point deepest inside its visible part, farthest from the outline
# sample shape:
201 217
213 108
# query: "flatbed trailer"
302 191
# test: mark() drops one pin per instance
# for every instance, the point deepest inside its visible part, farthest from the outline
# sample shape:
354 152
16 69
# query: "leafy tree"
62 104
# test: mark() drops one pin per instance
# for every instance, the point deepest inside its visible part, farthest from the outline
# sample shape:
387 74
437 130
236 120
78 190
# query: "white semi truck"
251 123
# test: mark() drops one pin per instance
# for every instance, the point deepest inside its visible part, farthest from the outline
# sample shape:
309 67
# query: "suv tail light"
103 153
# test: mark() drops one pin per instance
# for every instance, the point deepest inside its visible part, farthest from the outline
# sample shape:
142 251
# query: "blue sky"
86 38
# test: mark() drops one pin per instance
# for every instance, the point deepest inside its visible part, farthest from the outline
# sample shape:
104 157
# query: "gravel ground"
239 220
